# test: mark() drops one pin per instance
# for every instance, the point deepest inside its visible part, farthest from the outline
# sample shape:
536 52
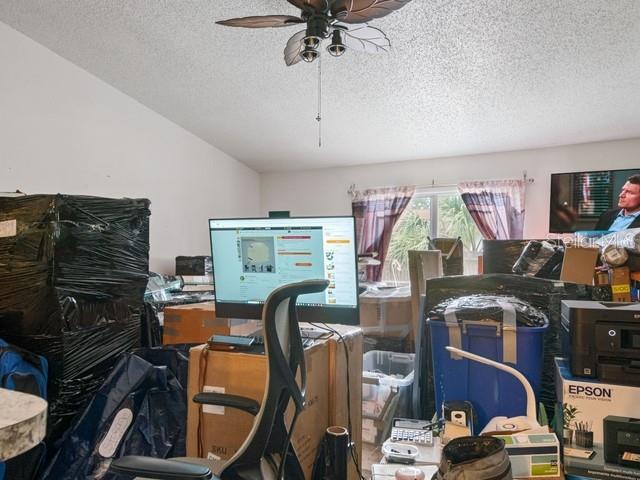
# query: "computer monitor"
254 256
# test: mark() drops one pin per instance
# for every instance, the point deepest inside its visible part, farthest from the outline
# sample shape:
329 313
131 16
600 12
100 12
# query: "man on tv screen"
627 214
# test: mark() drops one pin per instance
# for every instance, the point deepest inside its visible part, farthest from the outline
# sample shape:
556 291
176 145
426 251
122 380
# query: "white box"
584 405
533 455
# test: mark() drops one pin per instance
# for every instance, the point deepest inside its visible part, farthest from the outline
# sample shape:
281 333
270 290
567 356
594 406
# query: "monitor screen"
578 199
254 256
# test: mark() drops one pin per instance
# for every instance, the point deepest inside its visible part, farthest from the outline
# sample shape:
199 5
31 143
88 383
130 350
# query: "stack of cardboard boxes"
218 432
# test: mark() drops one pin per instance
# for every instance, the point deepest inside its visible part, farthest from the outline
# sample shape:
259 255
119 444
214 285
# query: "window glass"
455 221
433 215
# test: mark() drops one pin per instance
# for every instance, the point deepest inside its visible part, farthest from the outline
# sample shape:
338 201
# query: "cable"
285 451
353 451
319 117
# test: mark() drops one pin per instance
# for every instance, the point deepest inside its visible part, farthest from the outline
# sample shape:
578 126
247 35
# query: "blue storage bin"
491 391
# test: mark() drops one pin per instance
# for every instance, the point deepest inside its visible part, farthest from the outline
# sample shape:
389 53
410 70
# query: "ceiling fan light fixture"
311 41
309 54
317 29
337 46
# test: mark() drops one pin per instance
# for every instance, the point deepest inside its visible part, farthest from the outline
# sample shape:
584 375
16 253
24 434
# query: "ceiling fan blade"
317 5
367 39
294 48
361 11
262 21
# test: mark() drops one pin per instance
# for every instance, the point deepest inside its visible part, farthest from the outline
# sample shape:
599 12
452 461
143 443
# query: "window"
431 214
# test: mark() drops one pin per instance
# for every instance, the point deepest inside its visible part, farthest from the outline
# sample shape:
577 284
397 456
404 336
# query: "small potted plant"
569 413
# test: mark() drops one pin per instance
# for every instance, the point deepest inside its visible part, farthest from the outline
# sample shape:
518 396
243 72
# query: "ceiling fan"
345 21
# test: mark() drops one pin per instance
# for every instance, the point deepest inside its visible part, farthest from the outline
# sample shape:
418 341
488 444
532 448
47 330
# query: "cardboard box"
621 284
596 420
579 264
346 369
386 312
196 322
223 430
533 455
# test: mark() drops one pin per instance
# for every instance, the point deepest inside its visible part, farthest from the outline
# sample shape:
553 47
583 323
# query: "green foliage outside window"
411 231
455 221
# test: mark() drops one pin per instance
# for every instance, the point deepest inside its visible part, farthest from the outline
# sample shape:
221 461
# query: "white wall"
324 192
64 130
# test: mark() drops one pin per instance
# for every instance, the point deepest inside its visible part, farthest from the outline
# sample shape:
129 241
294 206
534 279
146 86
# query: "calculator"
412 431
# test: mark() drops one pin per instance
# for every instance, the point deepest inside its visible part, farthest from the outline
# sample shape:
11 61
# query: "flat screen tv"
579 198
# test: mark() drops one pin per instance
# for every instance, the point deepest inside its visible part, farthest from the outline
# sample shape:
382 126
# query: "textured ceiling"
465 76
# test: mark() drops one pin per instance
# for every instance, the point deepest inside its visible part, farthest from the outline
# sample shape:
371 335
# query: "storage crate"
491 391
386 391
386 312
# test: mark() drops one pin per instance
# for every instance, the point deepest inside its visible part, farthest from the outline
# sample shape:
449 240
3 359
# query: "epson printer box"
598 425
533 455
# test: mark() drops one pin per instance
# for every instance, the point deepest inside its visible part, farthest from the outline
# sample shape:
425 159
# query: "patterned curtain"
496 206
376 212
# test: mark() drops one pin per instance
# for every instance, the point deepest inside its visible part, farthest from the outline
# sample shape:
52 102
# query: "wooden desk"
23 421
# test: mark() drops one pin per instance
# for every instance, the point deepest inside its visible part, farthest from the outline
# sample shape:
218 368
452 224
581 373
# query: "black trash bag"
487 307
146 393
542 294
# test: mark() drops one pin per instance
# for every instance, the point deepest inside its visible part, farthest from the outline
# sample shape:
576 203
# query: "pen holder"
584 439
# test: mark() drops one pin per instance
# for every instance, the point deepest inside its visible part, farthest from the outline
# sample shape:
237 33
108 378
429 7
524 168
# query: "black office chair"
266 452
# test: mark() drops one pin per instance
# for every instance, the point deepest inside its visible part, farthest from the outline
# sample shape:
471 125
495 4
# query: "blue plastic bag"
25 372
140 409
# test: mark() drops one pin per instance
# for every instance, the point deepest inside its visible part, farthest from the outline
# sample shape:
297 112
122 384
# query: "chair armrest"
248 405
159 469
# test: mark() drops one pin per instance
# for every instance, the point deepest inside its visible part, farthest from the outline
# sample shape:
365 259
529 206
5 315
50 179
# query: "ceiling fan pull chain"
319 117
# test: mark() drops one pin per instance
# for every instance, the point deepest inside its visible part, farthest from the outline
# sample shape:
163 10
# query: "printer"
622 440
602 340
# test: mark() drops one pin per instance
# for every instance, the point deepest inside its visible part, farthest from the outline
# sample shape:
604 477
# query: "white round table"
23 422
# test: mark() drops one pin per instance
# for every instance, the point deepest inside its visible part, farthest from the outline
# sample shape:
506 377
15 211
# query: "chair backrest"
269 436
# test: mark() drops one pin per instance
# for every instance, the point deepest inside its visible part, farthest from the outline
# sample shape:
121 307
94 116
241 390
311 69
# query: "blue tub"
492 392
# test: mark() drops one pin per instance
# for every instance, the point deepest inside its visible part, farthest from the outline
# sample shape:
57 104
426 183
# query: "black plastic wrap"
540 259
72 279
499 256
553 268
540 293
152 384
151 331
534 255
162 287
487 307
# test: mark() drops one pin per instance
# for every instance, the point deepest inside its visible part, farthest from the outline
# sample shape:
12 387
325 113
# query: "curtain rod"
352 188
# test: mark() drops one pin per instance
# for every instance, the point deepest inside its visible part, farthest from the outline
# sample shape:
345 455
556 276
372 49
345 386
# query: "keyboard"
259 340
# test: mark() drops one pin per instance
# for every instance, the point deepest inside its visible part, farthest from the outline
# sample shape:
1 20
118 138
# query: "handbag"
474 458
